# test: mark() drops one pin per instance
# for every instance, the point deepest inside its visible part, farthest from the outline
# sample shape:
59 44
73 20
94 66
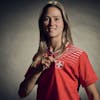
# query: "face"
53 22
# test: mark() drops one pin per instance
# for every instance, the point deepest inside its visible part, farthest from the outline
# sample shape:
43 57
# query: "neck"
55 43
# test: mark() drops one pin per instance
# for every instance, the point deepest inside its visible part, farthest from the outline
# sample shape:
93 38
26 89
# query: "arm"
92 92
29 82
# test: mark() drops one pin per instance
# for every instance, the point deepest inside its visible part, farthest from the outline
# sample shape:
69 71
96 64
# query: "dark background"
19 37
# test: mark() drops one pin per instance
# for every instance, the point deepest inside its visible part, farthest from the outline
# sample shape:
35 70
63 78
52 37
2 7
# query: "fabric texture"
62 80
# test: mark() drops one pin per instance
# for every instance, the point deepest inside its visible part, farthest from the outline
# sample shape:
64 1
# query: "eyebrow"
53 16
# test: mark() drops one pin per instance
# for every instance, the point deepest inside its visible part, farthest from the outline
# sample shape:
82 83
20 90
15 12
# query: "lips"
51 29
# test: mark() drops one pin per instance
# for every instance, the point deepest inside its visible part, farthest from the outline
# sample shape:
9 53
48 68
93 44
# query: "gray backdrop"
19 37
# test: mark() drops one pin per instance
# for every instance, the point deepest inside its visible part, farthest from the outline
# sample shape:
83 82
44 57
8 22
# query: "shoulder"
72 49
73 53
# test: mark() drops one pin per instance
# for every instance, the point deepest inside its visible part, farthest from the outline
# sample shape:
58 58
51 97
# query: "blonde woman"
58 67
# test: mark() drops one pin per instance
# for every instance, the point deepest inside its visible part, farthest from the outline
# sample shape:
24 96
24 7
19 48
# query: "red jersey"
62 80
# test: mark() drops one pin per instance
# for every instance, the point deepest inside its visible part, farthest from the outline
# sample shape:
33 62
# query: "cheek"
45 23
61 25
45 27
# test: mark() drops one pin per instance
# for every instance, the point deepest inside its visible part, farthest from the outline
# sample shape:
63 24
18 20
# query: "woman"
58 67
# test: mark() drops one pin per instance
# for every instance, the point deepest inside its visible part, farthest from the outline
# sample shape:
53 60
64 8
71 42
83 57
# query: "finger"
44 60
52 59
47 60
45 66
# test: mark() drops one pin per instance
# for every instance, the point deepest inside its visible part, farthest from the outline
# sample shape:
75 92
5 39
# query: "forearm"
94 97
28 84
92 92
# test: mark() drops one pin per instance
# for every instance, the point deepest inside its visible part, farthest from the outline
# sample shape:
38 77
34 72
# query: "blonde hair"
66 37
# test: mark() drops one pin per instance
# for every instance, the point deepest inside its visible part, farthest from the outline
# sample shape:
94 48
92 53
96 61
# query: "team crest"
59 64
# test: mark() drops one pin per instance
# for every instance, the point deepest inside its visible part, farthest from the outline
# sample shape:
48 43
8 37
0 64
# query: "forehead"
53 11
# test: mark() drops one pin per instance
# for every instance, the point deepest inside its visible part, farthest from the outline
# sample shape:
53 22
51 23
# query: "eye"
56 19
46 19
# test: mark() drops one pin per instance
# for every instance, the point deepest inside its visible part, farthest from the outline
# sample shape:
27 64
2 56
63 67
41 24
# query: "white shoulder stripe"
72 54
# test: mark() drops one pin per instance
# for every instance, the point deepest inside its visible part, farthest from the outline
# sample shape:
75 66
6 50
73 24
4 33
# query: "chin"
52 35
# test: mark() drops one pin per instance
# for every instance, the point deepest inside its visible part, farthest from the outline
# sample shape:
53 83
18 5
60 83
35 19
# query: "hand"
46 61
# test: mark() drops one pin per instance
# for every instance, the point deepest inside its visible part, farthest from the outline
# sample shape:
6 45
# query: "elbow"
24 89
21 93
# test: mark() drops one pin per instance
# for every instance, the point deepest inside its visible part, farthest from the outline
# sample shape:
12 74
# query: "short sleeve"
87 75
32 68
29 72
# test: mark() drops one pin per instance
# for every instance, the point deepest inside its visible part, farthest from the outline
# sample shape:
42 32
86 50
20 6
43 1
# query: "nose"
51 22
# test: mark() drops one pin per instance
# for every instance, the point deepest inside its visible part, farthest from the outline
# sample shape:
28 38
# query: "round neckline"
57 52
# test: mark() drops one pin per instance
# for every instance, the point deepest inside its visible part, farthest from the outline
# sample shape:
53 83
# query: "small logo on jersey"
59 64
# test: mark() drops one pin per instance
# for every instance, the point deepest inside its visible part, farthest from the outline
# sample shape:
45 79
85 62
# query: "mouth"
52 29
